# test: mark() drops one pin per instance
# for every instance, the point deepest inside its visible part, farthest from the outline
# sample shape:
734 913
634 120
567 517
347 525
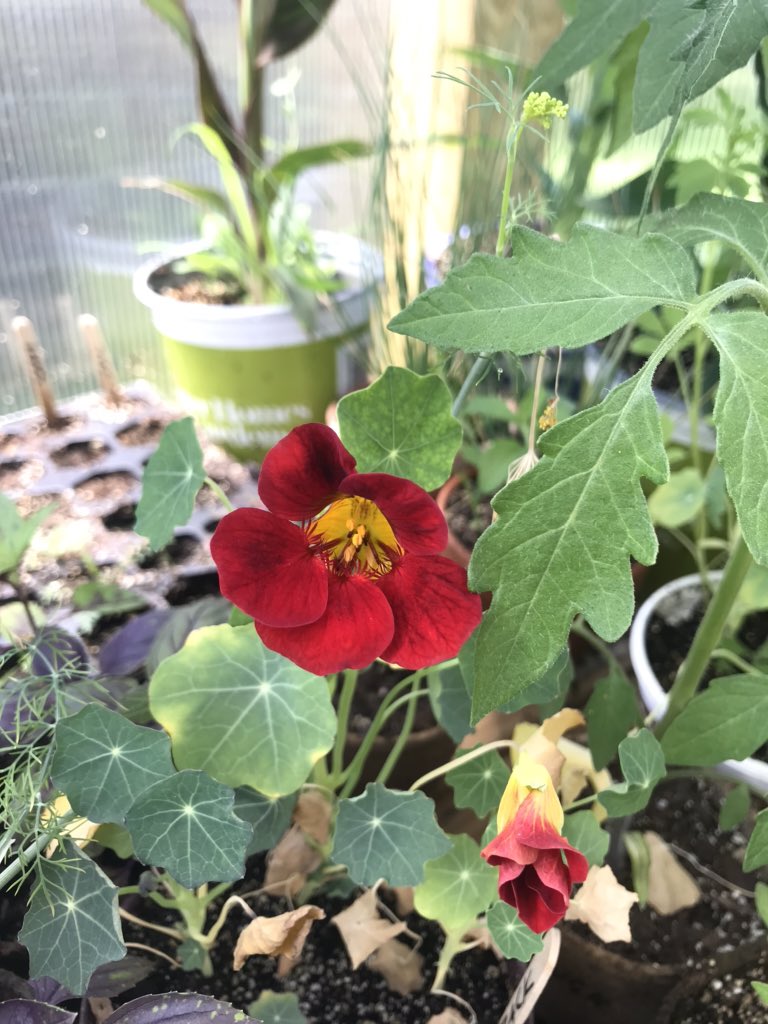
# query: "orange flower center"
355 536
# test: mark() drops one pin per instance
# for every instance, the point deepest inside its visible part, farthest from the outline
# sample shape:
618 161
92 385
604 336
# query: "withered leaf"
283 935
363 929
670 887
448 1016
290 862
401 966
603 904
313 815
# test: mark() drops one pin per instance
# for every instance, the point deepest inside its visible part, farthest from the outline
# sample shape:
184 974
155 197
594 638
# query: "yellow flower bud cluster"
541 107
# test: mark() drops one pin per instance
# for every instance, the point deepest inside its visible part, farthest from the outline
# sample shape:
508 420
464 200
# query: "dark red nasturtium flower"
345 567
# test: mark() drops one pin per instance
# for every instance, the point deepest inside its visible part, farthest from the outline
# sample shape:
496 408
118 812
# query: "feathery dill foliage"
39 684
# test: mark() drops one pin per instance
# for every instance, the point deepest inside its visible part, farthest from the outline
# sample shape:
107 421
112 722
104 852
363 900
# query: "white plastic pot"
751 770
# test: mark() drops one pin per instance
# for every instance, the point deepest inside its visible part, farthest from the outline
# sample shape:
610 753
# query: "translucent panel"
92 93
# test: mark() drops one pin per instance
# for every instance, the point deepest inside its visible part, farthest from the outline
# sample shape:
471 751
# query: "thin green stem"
345 705
723 654
708 634
584 801
402 739
352 772
476 372
219 494
443 769
407 698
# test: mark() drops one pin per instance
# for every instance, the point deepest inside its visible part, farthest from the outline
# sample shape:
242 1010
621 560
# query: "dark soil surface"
195 287
18 474
684 812
465 519
142 433
727 1000
329 991
373 685
80 453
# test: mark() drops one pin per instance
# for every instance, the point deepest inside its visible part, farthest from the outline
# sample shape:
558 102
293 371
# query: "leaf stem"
708 634
219 494
443 769
345 704
405 732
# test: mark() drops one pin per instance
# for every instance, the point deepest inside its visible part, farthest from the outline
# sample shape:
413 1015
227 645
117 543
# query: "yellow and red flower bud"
537 866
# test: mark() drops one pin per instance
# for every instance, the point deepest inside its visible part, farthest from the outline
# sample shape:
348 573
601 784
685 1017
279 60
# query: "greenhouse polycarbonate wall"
92 92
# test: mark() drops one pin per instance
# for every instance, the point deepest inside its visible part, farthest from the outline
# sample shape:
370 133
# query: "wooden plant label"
90 331
34 363
532 983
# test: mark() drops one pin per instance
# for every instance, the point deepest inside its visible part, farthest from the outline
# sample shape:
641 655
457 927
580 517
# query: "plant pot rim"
216 325
751 770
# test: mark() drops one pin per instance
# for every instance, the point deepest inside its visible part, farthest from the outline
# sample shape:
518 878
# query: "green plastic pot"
249 374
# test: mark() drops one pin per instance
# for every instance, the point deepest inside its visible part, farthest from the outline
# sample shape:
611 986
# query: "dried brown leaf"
448 1016
404 904
401 966
363 929
670 886
313 815
283 935
603 904
101 1008
290 862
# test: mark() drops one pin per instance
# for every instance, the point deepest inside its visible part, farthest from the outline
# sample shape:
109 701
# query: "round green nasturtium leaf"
277 1008
187 825
515 939
402 424
241 713
172 478
583 832
457 886
269 816
479 784
387 834
72 925
103 762
679 500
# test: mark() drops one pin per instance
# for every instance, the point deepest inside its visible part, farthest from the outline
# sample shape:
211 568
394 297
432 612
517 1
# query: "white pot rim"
268 326
751 770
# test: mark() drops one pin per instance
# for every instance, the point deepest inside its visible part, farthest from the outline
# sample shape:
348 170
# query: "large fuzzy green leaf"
691 45
187 825
242 713
72 925
737 223
741 419
550 293
729 719
103 762
387 834
402 424
171 481
562 542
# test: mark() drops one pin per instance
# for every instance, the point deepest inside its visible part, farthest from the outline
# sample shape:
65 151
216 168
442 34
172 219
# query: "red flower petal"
266 569
417 522
355 629
539 906
434 612
302 473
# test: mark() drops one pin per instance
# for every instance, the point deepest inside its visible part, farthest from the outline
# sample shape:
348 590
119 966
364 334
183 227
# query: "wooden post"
34 363
91 333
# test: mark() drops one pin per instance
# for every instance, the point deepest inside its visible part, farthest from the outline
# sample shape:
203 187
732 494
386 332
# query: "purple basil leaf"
178 1008
127 650
28 1011
113 979
48 990
56 651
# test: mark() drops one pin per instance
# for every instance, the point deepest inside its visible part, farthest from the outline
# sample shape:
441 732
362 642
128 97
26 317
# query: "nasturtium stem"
476 372
708 634
723 654
219 494
352 772
402 739
443 769
345 705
